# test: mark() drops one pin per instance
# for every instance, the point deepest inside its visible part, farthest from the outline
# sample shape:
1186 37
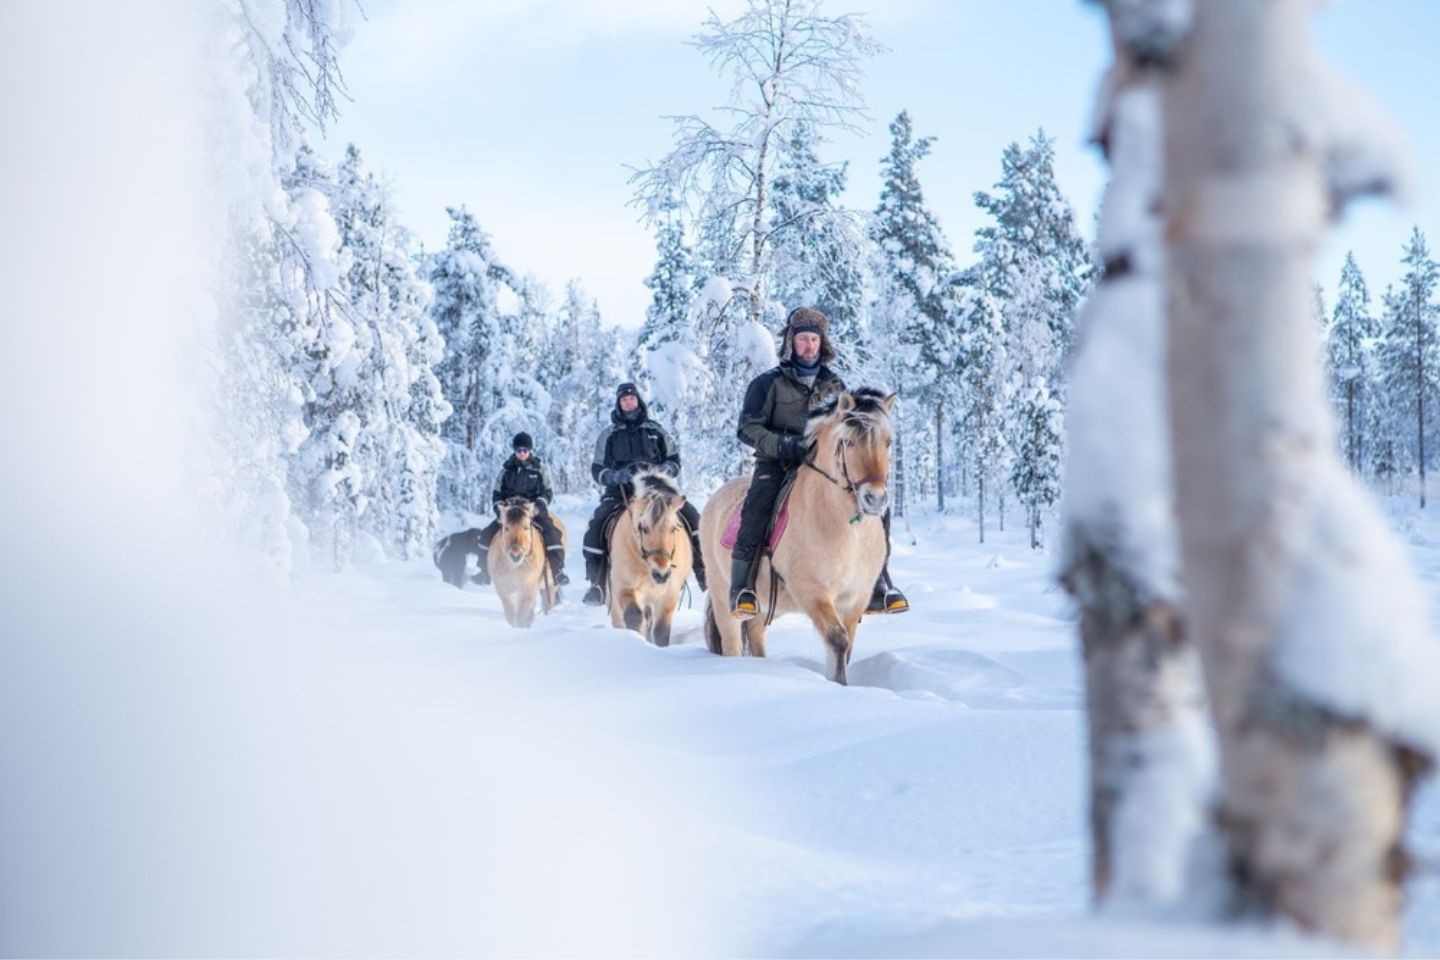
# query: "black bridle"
850 486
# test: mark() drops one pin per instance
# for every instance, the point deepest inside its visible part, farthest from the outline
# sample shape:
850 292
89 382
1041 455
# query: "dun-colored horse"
518 565
650 558
834 547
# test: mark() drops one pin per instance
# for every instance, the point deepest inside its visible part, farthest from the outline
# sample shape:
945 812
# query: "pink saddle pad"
732 529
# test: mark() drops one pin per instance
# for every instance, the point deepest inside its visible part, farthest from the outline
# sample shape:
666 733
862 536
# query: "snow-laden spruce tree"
467 279
583 381
400 401
984 452
276 76
1310 622
1354 337
918 297
672 282
789 63
820 248
1032 259
1035 472
1410 355
1151 756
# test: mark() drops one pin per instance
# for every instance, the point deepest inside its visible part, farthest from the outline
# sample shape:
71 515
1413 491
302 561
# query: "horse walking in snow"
832 546
650 557
518 565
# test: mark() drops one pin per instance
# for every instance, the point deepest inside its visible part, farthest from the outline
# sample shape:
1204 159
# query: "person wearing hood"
772 423
525 476
632 442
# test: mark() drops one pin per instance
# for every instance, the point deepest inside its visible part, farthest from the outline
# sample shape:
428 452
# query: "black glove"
791 451
615 476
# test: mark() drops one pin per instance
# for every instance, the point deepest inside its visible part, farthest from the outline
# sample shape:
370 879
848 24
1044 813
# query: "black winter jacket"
640 442
529 479
777 404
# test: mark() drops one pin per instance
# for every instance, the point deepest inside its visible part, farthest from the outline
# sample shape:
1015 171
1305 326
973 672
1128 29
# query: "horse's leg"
833 631
660 626
755 629
527 609
511 613
634 617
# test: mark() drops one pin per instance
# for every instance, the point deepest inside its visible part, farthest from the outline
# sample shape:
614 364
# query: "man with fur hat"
632 442
772 422
525 476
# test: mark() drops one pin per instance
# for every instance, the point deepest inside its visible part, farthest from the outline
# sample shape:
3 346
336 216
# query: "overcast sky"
530 113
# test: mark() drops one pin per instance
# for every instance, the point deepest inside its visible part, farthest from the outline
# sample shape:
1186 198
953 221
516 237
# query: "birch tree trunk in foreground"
1283 558
1151 756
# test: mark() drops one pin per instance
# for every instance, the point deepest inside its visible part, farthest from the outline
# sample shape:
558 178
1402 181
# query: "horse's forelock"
515 513
866 416
658 506
656 483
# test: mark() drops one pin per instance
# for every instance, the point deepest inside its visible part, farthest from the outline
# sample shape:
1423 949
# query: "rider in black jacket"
772 422
524 475
631 443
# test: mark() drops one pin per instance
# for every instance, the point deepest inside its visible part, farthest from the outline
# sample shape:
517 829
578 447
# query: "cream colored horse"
517 563
650 558
834 547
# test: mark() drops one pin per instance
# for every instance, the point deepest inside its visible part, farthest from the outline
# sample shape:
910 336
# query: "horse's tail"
712 629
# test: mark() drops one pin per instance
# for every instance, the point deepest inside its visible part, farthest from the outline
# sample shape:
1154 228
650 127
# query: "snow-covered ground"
381 766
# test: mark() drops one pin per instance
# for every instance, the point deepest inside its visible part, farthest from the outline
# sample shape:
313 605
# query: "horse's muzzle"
660 576
874 503
516 558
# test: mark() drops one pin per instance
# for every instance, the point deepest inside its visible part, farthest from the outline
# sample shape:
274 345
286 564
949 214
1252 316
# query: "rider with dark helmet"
525 476
772 422
633 442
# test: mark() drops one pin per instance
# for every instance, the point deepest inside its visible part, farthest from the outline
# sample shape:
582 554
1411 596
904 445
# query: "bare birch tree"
1308 618
1151 755
789 64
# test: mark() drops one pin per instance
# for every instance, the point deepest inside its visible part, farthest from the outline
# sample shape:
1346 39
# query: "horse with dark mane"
518 565
650 557
833 548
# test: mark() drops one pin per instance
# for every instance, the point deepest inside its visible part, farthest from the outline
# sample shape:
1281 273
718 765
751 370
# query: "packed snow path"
381 766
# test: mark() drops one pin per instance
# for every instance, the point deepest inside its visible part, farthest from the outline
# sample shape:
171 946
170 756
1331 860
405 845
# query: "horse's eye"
644 529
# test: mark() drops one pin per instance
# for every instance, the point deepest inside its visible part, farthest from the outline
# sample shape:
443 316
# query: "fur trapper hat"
806 320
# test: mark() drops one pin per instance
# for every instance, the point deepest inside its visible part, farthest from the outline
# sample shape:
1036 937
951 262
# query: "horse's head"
516 528
851 437
653 516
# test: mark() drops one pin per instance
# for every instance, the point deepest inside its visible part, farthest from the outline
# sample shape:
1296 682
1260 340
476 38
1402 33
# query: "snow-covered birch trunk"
1151 755
1309 621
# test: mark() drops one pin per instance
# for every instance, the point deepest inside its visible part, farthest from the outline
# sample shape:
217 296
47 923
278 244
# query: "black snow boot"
744 604
557 568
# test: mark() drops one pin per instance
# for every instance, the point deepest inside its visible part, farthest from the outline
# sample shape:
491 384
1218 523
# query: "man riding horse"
524 476
772 422
630 444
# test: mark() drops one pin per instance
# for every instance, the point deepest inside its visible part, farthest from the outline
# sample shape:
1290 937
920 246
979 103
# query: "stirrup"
561 578
889 600
594 597
746 605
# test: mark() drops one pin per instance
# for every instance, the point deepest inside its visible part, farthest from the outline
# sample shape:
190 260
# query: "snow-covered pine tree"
672 282
1353 339
467 279
820 248
983 396
1033 260
1410 353
1035 473
401 407
329 478
921 302
578 362
282 71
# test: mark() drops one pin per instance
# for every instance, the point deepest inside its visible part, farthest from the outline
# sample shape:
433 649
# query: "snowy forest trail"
773 811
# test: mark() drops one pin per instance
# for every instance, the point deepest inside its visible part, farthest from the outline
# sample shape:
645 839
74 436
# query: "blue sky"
530 112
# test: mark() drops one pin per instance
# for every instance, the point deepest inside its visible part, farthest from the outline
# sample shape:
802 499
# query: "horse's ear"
846 403
889 402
